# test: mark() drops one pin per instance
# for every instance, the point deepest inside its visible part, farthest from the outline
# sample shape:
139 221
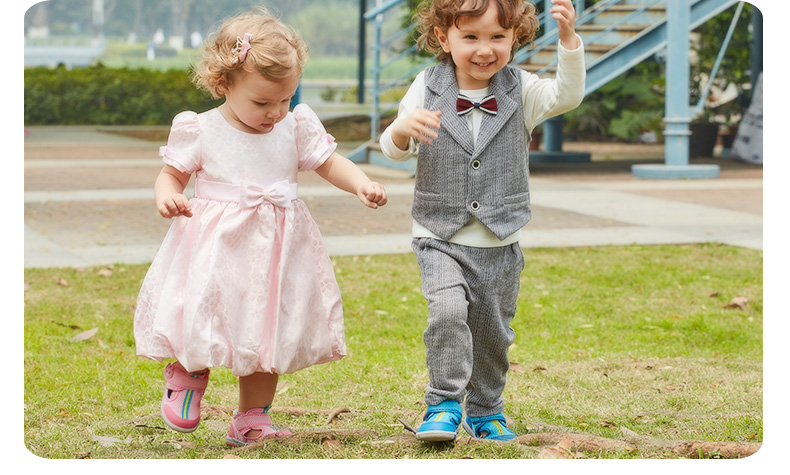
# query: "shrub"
109 96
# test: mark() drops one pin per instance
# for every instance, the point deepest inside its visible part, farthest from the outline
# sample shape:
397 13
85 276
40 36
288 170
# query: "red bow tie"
464 105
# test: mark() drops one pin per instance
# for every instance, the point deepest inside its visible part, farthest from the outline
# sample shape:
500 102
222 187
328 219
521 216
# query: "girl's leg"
256 391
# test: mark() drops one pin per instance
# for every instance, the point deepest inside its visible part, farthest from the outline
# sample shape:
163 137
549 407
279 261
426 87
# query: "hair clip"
241 48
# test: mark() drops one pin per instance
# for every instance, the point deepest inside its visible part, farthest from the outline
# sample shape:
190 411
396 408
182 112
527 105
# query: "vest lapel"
502 85
444 86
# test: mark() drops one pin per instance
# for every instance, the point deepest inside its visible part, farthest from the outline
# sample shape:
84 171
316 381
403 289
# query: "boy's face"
479 46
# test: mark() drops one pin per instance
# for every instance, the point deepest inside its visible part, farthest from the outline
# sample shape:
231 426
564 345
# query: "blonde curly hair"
517 14
276 52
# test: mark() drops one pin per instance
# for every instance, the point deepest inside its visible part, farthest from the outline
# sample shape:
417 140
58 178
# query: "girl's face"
253 104
479 46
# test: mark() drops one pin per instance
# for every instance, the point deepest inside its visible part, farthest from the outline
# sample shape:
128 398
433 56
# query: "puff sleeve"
183 144
314 145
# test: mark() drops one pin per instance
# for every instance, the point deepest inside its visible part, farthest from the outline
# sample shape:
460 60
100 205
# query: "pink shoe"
181 401
254 419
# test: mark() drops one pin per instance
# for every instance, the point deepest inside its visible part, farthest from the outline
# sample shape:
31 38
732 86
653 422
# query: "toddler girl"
242 279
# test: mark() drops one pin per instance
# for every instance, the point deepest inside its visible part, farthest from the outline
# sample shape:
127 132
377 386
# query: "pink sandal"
254 419
181 401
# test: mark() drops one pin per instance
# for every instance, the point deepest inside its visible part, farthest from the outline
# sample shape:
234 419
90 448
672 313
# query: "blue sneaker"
440 422
488 427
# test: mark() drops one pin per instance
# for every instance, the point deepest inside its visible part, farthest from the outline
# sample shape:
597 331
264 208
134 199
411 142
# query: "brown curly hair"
520 15
276 52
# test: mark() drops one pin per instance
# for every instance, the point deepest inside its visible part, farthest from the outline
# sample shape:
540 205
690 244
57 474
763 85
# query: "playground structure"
618 34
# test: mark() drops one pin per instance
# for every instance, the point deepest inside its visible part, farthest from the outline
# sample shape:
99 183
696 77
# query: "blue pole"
677 113
552 128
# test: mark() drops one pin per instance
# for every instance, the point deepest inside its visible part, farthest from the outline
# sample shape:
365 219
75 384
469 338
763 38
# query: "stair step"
617 13
548 54
619 35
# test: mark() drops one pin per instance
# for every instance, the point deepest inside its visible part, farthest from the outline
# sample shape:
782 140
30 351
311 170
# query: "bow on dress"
281 194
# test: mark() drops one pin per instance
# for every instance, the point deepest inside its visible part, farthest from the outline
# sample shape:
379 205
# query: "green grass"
610 340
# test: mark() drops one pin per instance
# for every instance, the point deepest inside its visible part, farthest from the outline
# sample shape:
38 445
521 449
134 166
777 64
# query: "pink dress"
246 282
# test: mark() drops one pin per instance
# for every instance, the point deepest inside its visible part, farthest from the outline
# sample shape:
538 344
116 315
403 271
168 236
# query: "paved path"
89 201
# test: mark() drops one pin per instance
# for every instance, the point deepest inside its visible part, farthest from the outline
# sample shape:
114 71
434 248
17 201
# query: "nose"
273 113
484 49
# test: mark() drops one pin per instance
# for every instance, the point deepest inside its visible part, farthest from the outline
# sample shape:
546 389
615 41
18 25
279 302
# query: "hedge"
109 96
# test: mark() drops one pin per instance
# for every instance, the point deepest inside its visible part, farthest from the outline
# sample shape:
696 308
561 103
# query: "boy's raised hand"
421 125
563 12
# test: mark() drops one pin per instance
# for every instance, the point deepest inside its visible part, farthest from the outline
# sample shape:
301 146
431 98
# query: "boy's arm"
545 98
412 100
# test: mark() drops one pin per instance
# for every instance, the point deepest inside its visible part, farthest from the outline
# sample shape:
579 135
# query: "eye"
470 37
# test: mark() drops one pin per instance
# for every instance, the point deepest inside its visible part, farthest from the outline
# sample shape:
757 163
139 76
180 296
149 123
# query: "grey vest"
488 180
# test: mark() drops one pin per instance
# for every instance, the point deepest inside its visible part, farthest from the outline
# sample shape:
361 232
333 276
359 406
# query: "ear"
222 85
442 37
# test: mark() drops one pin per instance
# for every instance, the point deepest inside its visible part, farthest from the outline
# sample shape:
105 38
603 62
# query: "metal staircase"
617 34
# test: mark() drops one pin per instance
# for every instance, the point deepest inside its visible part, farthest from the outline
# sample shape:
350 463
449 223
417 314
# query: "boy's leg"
494 292
448 340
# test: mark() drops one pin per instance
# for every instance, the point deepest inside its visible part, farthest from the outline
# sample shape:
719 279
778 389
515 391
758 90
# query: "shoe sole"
436 436
176 428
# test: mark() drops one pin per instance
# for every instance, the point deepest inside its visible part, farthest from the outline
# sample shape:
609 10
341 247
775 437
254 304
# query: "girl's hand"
175 205
372 195
421 125
563 12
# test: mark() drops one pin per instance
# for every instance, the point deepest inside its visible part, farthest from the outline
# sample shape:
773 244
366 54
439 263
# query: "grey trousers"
471 295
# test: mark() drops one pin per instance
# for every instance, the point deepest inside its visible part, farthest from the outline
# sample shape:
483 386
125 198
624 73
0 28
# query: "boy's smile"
479 47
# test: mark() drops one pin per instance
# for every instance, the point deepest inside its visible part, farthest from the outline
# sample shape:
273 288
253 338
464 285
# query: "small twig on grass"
336 412
318 436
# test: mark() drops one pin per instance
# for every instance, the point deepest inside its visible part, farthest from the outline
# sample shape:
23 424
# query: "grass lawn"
621 352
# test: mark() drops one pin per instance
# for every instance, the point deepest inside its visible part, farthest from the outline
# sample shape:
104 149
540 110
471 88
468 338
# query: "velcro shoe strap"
177 378
254 419
448 405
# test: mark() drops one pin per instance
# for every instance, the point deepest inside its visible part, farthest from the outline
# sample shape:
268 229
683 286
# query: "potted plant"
730 91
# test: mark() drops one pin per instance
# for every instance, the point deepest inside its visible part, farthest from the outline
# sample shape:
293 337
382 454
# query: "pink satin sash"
248 195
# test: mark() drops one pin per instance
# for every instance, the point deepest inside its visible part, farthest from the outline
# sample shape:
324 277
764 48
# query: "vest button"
474 205
476 164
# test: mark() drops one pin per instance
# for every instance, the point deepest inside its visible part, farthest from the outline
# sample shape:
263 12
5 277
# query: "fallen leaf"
106 272
62 282
738 301
85 335
516 367
105 441
608 424
560 451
